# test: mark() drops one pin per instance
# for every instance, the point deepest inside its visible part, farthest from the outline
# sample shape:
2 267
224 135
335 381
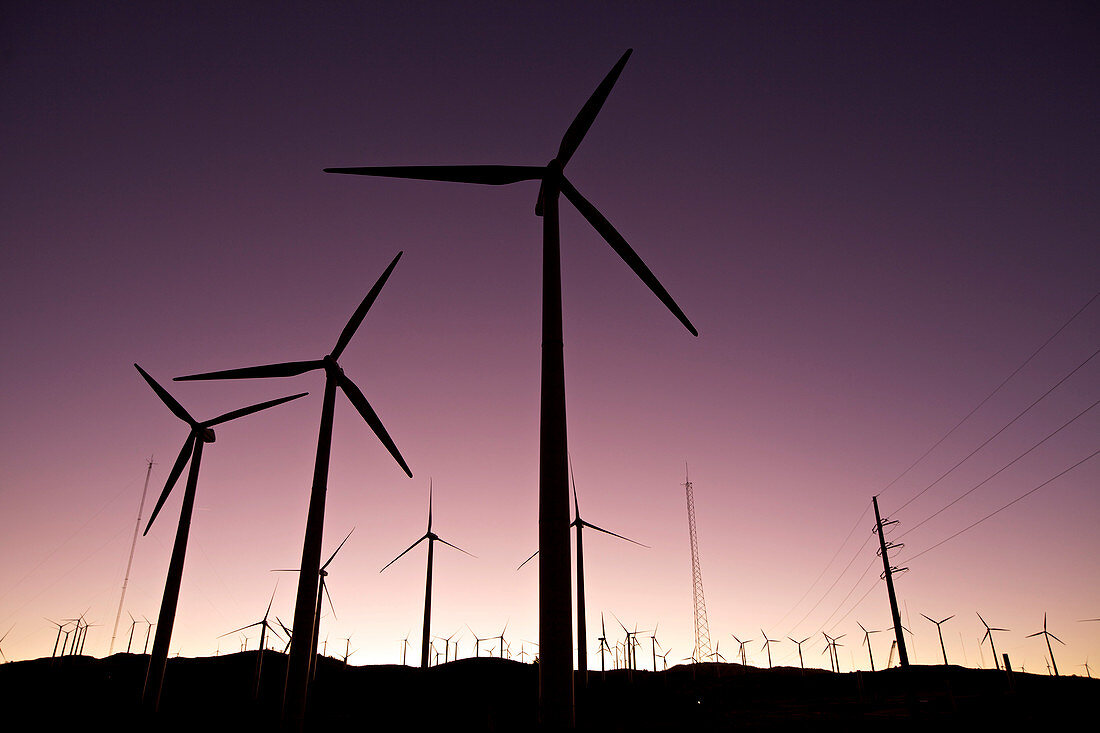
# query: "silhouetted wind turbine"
768 645
201 433
322 592
556 660
301 650
1049 636
741 651
5 636
264 628
148 630
477 641
801 664
989 634
867 642
432 538
57 641
133 623
582 624
940 632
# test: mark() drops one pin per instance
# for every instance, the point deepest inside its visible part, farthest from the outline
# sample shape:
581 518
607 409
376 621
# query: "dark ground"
214 694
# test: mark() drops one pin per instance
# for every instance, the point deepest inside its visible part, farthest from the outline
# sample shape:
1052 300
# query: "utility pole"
130 562
887 575
702 627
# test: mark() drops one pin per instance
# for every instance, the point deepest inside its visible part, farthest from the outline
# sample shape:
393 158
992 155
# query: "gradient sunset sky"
873 213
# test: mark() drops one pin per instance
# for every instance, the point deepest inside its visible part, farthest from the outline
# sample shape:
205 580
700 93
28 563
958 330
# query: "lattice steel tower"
702 628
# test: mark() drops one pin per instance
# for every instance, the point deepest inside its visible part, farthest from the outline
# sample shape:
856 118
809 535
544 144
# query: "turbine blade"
391 562
1037 633
1052 636
337 550
928 618
584 119
629 256
250 409
576 504
177 469
361 311
490 175
440 539
601 529
324 587
429 504
167 399
234 631
271 601
368 413
266 371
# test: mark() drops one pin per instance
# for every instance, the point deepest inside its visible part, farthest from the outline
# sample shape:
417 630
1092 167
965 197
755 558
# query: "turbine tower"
702 628
556 708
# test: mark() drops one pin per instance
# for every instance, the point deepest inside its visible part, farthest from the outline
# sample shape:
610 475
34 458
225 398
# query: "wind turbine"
264 628
57 641
5 636
503 647
741 651
404 648
604 649
432 538
556 660
768 645
148 630
477 641
582 624
322 592
1049 636
940 631
989 634
133 623
801 664
867 642
201 433
301 650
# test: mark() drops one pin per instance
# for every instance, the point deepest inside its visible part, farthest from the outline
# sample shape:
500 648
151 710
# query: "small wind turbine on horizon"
768 645
741 650
322 592
432 538
264 628
1048 637
801 664
555 616
200 434
867 642
301 648
940 632
582 623
989 635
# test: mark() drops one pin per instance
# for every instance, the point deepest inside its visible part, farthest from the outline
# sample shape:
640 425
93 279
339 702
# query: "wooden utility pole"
887 574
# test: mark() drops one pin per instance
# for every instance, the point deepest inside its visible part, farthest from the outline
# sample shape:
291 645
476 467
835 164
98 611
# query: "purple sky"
873 213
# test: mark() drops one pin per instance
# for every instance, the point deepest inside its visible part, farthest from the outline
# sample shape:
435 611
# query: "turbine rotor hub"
208 435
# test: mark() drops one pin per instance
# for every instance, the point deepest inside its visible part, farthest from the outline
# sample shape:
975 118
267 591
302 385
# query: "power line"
1006 506
1005 427
990 395
827 565
1001 469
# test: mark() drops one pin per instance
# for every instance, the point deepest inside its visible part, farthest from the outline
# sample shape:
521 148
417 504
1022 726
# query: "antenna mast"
130 562
702 628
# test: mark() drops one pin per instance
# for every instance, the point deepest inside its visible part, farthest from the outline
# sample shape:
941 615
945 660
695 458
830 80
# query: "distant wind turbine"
867 642
432 538
1048 637
940 631
741 650
264 628
801 664
302 650
989 635
768 645
555 616
200 434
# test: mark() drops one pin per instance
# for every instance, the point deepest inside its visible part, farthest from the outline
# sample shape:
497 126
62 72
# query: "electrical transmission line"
990 395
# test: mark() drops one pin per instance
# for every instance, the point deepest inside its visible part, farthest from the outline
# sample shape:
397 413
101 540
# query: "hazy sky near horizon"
872 212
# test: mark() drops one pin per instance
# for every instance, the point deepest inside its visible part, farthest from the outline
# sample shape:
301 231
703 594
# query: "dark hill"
214 694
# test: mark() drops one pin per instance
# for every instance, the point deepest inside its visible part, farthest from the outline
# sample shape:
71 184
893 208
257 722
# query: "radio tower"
130 562
702 628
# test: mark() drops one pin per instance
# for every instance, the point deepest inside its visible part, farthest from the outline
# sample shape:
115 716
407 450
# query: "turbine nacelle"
208 435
